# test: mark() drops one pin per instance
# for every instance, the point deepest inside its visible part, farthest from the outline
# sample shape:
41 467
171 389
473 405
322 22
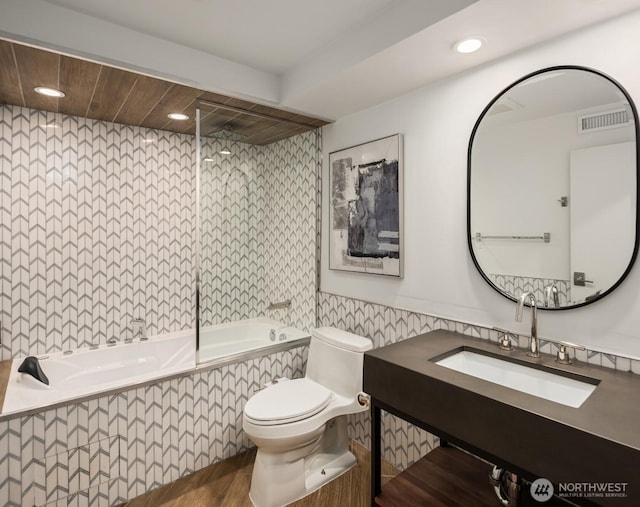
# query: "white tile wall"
518 285
111 449
258 230
96 228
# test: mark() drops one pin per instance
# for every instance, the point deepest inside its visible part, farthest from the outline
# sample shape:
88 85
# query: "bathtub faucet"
280 305
139 328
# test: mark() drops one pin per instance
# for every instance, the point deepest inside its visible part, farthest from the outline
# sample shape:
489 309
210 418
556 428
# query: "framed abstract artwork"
365 212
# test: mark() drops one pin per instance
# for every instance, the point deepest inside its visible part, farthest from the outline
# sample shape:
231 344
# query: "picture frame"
366 208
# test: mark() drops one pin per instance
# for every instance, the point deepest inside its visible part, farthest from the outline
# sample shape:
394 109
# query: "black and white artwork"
366 208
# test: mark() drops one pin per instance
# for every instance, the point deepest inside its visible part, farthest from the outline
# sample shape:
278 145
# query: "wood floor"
227 482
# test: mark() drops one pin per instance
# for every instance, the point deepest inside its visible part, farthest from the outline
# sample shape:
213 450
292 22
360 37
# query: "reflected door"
602 216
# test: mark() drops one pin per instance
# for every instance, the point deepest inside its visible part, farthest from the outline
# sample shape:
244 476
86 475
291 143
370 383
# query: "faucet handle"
505 342
562 357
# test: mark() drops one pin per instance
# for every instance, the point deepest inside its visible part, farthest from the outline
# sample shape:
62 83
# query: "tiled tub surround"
96 228
403 444
107 450
258 226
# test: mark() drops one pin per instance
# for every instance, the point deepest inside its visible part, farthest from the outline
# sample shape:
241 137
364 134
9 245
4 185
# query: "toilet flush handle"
364 399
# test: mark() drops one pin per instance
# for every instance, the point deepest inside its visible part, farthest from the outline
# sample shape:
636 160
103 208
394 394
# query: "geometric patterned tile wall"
518 285
111 449
96 228
258 209
232 235
290 194
403 444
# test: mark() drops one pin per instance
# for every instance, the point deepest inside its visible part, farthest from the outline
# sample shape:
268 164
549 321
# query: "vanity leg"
376 471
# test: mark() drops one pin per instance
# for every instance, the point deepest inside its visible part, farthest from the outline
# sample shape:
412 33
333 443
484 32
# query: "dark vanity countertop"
612 411
599 440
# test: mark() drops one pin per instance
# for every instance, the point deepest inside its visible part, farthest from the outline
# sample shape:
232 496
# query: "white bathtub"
239 337
86 371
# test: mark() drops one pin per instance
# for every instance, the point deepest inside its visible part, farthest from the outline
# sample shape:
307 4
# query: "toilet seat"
287 402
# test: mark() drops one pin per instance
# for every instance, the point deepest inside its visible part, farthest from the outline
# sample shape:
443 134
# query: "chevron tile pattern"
232 234
518 285
111 449
403 444
290 197
96 228
258 212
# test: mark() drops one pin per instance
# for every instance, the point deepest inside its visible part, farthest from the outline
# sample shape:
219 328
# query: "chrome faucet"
534 349
139 328
551 294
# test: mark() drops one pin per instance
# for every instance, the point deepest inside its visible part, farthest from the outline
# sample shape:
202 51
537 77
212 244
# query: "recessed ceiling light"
207 159
178 116
225 151
469 44
49 92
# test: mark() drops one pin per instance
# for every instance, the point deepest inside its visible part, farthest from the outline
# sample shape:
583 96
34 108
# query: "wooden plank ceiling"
106 93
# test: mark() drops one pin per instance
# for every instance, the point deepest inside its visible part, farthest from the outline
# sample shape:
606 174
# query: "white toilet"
300 426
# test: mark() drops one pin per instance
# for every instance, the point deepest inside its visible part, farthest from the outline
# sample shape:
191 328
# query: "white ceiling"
326 58
271 35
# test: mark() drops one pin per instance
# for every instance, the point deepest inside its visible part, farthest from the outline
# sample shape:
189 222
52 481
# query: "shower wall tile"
258 213
96 227
290 193
231 232
111 449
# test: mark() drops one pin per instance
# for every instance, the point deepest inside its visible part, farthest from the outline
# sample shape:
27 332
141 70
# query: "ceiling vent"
603 120
504 105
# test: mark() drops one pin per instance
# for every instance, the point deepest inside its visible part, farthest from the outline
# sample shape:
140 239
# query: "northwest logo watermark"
542 490
592 489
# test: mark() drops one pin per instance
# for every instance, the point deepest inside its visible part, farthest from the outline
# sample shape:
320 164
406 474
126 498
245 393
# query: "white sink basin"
533 381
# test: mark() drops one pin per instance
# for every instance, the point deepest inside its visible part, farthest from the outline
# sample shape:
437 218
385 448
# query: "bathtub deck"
226 484
5 370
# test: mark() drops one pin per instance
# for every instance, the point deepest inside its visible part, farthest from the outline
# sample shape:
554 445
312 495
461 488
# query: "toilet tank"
335 360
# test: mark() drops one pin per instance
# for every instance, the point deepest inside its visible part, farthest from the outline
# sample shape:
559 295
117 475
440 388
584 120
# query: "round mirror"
552 188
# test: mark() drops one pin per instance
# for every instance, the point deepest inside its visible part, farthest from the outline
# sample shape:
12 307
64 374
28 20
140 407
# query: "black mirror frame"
637 217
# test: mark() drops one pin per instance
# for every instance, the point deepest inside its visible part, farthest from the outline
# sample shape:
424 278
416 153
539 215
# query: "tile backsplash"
96 228
403 443
518 285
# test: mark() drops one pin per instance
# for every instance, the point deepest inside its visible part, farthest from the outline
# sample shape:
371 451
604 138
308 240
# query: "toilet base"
281 478
283 493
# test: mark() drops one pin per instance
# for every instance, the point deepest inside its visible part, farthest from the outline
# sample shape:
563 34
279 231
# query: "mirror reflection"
552 188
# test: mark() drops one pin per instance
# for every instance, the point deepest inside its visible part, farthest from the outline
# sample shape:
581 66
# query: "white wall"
436 122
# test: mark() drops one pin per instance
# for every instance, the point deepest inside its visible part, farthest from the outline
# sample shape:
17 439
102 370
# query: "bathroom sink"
537 382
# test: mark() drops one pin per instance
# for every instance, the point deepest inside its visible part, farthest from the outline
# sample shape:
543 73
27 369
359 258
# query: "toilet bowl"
300 426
